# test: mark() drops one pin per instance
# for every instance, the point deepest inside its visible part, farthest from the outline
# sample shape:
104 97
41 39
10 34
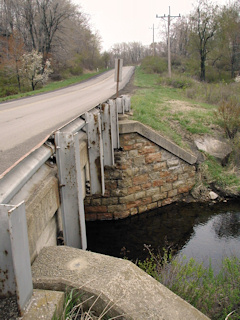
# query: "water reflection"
195 230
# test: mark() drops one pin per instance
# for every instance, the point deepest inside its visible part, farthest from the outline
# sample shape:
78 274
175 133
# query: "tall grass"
217 296
76 307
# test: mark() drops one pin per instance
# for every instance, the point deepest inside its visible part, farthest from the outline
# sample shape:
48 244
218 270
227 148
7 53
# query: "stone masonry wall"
144 177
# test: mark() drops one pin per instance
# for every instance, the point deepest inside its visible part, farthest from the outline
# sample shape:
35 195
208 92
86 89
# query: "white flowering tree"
32 70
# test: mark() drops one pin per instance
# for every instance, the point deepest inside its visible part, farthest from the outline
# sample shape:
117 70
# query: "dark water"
202 231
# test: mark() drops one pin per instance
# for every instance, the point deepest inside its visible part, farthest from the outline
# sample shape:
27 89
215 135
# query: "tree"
229 37
203 25
11 52
32 69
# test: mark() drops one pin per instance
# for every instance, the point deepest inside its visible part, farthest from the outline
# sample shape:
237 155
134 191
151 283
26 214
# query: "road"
26 122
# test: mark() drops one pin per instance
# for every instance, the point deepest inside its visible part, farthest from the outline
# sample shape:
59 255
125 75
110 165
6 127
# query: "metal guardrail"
100 127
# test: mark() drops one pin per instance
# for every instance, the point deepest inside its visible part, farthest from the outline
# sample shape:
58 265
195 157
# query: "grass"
77 307
53 85
155 105
170 111
217 296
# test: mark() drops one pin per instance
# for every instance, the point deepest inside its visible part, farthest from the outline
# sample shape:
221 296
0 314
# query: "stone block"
146 186
149 149
153 191
105 216
142 209
158 183
90 216
139 161
172 193
133 211
133 153
166 187
153 157
97 209
96 202
140 179
133 204
134 189
159 166
121 214
159 196
109 201
152 206
117 208
128 198
126 183
119 192
140 195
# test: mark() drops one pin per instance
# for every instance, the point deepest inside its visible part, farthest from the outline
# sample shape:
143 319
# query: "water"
202 231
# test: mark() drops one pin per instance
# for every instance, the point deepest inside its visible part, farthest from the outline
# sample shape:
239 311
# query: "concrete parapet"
116 283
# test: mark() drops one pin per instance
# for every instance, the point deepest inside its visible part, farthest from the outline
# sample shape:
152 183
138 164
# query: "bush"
228 115
178 82
215 295
154 65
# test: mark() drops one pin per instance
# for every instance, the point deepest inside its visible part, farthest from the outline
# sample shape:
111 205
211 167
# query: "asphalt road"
26 122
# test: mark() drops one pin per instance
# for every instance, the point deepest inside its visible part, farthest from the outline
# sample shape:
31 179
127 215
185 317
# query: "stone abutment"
145 176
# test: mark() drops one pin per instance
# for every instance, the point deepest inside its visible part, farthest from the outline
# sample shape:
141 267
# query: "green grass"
54 85
169 111
151 106
223 177
215 295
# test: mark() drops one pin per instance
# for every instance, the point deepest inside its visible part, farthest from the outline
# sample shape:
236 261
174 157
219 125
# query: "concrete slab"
44 304
115 282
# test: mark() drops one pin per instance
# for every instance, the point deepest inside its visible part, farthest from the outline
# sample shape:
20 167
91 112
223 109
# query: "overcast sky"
131 20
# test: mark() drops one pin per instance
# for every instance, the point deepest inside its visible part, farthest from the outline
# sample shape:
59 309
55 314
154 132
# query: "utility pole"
169 49
154 51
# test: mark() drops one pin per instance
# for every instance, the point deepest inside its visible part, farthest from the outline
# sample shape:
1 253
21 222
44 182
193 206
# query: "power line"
169 17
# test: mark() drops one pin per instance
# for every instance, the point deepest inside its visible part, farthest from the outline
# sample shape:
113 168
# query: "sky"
132 20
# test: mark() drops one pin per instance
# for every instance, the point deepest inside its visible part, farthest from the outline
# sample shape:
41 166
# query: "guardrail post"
15 266
71 191
107 135
126 103
95 152
114 123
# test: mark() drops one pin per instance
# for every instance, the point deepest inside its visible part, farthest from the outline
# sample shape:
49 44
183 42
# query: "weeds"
76 307
223 178
217 296
228 115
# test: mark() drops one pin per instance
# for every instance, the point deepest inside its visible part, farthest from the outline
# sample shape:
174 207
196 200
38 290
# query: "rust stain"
98 167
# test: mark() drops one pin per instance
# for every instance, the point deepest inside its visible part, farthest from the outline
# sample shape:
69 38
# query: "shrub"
178 82
215 295
154 65
228 115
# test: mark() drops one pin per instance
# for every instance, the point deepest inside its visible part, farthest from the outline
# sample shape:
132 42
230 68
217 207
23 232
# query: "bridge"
80 172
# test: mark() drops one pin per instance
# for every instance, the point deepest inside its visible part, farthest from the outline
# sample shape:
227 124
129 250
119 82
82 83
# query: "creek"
203 231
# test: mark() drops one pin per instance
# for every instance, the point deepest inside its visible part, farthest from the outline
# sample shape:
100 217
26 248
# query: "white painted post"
71 191
107 135
114 124
95 153
15 266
